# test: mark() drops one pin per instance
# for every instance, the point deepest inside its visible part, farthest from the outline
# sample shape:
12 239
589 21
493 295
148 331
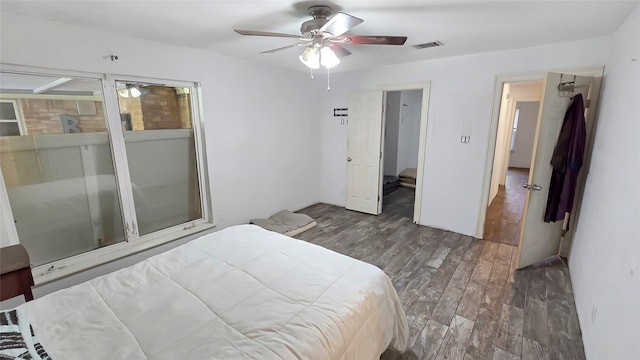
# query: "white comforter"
242 292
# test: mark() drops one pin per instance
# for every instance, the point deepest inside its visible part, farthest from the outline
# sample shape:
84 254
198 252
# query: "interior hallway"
461 296
504 215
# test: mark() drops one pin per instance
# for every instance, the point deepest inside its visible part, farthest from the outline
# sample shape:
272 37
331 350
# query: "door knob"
349 158
532 187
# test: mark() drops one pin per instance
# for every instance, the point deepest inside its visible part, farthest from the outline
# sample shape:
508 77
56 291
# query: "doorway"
512 159
401 139
366 149
539 240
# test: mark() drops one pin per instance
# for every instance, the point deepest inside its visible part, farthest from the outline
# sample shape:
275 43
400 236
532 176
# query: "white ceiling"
465 27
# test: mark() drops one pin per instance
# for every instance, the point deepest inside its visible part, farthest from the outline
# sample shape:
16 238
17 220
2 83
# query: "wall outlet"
341 190
220 217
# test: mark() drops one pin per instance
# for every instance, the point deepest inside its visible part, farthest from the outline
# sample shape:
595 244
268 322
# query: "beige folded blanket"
409 173
286 222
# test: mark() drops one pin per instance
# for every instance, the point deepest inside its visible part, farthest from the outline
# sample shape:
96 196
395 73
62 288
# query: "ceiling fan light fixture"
328 58
310 57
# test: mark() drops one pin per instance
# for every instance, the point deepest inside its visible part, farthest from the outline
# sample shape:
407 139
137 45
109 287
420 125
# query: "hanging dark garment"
566 161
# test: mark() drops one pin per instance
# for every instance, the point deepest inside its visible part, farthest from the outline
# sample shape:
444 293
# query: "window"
515 129
97 168
10 124
159 140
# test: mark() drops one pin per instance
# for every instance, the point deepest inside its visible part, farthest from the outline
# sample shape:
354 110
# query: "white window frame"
514 131
19 119
133 243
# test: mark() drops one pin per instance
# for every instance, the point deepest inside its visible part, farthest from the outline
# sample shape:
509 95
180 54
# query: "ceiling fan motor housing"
320 16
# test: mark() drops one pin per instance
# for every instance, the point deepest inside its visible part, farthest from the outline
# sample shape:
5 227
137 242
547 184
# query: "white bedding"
242 292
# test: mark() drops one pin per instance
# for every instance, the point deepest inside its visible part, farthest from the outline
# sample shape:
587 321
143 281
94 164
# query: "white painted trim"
500 80
119 159
58 269
6 216
197 123
383 134
422 142
51 97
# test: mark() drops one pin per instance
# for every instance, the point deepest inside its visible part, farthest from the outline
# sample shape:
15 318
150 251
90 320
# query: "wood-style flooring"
504 215
400 202
461 296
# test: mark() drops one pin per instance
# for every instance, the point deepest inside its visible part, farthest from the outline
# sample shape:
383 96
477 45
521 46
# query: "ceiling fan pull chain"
328 81
311 72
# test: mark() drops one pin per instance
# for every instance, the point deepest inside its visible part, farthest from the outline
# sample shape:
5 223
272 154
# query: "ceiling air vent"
429 45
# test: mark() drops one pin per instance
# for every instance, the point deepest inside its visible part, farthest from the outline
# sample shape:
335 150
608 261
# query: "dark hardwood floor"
461 296
399 202
504 215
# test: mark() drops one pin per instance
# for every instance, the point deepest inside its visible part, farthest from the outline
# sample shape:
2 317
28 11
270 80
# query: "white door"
540 240
364 151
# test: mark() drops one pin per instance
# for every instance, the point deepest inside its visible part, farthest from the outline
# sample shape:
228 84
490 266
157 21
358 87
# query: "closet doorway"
401 137
366 153
511 160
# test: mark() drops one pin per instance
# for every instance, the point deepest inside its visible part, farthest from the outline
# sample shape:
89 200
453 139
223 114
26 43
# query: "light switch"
465 139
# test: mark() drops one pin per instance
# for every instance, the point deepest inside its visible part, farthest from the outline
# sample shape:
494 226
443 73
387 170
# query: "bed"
242 292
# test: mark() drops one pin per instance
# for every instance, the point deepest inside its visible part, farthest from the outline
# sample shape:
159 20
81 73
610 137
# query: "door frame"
511 113
500 80
422 141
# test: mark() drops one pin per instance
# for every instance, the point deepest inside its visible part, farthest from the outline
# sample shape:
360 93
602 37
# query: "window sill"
62 268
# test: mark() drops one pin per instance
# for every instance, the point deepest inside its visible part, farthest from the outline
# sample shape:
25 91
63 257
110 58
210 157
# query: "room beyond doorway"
401 137
514 150
504 215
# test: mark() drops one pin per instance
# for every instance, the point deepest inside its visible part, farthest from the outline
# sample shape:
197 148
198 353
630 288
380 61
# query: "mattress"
242 292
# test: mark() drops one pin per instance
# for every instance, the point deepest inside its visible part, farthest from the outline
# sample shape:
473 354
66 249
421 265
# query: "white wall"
409 129
604 260
523 146
502 141
460 100
260 122
391 126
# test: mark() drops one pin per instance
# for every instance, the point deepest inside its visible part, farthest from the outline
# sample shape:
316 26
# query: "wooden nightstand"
15 269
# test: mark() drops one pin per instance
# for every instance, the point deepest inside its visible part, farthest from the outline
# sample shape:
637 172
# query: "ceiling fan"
324 37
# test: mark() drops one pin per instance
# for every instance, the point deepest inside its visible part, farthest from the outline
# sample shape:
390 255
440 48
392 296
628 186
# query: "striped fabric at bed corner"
17 339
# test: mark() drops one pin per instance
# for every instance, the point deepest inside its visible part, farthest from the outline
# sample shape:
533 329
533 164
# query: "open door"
364 151
540 240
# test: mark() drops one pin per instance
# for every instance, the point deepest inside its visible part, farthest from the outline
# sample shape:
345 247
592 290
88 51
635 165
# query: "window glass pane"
161 154
60 178
7 112
9 129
